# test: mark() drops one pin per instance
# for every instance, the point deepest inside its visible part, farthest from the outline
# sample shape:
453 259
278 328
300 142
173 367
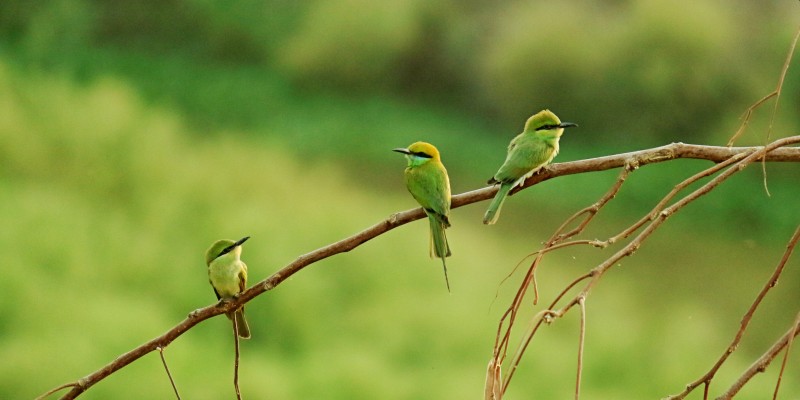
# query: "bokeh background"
134 134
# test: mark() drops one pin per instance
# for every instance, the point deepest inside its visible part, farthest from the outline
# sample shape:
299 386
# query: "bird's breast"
225 277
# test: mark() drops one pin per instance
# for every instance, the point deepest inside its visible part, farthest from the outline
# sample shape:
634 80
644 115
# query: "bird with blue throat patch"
531 150
427 180
227 274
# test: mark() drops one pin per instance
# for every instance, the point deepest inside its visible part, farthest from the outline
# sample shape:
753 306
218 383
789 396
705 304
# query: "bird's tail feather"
439 245
241 324
493 213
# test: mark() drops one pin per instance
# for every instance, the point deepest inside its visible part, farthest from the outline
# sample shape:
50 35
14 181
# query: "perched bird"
426 179
531 150
228 276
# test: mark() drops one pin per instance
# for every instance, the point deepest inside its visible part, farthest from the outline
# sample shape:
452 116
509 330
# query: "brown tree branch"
761 364
639 158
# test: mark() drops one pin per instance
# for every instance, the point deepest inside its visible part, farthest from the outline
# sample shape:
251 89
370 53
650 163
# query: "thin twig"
786 356
747 115
779 86
778 91
55 389
642 157
773 280
761 364
581 343
775 93
543 316
592 210
236 358
169 375
554 243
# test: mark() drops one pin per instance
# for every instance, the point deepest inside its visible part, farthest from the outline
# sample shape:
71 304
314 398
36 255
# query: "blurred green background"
134 134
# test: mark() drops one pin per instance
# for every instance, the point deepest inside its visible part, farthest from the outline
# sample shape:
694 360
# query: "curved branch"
636 159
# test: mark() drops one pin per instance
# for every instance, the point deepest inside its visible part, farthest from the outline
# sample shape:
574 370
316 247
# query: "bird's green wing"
215 289
526 153
513 143
243 277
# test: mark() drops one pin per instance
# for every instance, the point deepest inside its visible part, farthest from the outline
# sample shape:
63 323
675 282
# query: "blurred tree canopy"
661 72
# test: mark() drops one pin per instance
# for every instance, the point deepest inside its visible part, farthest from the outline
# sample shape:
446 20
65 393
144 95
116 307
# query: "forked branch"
650 222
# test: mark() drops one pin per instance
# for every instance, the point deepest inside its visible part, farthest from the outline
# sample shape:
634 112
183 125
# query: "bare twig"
554 243
747 115
792 335
169 375
581 344
642 157
592 210
55 389
543 316
761 364
775 93
741 161
773 280
236 358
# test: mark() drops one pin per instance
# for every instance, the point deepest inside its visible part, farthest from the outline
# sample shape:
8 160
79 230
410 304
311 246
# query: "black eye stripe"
421 154
226 250
546 127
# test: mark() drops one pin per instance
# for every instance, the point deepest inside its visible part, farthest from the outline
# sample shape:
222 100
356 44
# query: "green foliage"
372 37
687 70
48 30
647 64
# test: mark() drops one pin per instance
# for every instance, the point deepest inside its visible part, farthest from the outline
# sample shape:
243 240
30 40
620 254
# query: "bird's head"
546 122
223 247
419 153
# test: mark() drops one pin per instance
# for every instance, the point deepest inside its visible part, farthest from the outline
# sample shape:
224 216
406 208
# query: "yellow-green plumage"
531 150
427 180
227 274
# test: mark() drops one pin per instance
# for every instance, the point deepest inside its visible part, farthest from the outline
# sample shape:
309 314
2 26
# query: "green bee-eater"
426 179
228 276
531 150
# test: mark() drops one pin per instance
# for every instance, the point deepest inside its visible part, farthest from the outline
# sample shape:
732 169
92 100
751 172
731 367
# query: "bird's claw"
226 300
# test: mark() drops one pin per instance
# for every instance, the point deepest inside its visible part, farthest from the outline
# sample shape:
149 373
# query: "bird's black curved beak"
240 241
567 125
402 150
